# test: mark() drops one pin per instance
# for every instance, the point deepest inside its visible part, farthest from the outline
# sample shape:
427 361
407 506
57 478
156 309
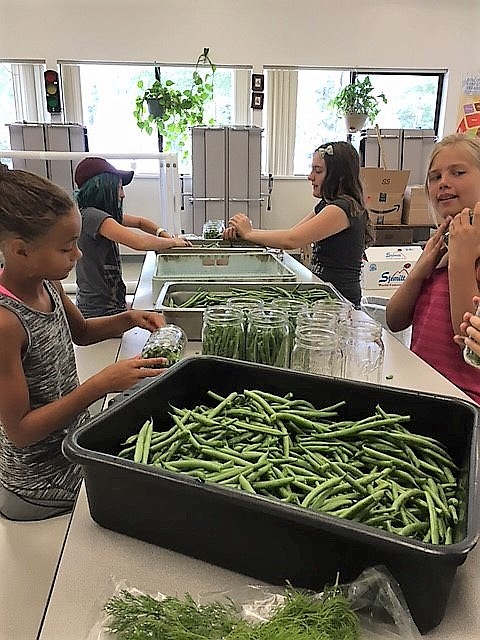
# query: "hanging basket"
155 109
355 121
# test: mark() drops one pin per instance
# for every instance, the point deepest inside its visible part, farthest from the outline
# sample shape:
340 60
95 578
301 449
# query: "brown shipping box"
415 206
384 191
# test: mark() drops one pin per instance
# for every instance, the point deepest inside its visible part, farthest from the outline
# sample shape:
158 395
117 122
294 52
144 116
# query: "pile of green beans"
372 470
204 298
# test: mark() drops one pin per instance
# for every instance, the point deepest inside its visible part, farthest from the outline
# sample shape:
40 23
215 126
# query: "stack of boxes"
397 208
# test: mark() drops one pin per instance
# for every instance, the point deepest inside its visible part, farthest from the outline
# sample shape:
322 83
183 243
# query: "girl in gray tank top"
41 398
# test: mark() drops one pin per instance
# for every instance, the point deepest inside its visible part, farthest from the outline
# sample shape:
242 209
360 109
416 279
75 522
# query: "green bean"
146 442
434 537
138 455
245 485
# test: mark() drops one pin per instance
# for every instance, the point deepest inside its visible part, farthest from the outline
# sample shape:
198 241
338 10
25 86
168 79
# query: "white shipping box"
387 267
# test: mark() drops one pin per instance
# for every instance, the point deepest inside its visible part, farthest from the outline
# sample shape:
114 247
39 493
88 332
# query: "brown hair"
29 204
343 180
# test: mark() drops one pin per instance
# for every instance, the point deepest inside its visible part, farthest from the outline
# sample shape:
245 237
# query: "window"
22 96
7 103
414 100
316 122
108 96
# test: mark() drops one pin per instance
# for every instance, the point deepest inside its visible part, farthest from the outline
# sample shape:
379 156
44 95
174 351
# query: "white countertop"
93 559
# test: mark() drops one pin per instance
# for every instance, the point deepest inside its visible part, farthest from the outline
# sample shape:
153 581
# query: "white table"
95 559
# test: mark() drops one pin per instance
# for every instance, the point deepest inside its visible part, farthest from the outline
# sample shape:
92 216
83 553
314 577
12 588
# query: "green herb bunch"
301 617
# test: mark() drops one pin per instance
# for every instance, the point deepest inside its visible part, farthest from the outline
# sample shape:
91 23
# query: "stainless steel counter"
144 297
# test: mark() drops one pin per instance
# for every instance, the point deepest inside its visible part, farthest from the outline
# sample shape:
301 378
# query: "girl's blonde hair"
471 146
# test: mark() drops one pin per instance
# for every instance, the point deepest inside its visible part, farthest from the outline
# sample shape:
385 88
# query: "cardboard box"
388 267
390 235
384 193
415 207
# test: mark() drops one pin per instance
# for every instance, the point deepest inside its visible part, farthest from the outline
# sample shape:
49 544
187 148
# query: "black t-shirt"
338 258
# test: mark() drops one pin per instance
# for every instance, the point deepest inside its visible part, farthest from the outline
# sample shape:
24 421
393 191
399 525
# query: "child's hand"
150 320
229 233
124 374
433 252
178 241
469 327
241 224
464 235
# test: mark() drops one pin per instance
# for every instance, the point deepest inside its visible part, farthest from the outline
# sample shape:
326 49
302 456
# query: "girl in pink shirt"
442 284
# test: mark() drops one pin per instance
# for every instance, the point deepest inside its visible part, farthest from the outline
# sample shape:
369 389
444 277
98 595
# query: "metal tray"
191 319
210 265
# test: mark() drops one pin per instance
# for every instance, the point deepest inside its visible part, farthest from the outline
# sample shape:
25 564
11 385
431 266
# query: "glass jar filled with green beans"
267 337
223 332
292 307
246 304
341 308
167 342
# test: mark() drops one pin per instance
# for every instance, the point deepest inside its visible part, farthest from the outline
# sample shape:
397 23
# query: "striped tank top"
40 472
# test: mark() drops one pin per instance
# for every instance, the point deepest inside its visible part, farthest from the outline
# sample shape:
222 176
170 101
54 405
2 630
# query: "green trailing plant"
357 97
171 111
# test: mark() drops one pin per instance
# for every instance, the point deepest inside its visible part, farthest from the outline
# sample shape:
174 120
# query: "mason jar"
245 303
213 230
363 350
341 308
316 350
317 318
223 332
470 356
292 307
167 342
267 337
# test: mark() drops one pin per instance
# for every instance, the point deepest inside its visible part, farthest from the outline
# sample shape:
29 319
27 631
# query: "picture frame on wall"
257 100
258 82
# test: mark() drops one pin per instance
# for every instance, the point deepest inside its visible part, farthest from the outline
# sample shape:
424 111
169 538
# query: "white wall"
375 33
425 34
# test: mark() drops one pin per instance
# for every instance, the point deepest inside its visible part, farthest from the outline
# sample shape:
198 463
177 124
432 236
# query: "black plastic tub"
256 536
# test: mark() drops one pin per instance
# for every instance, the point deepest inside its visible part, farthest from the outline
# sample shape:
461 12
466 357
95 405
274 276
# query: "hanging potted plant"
357 104
171 111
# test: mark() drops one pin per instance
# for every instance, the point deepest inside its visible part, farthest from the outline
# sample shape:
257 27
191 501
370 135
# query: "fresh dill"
302 616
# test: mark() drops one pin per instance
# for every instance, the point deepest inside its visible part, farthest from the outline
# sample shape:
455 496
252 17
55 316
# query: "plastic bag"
375 596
